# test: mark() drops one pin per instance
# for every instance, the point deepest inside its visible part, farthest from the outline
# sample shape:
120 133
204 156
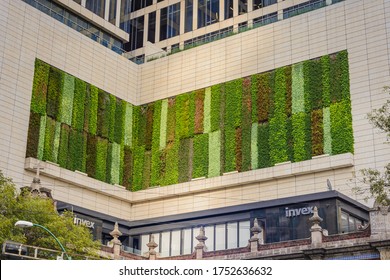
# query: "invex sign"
299 211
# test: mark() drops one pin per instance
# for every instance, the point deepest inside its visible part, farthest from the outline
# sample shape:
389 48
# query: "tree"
16 206
379 182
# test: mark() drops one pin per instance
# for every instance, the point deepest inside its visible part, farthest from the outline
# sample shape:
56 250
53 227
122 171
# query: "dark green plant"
229 159
339 82
169 164
149 126
288 74
325 62
182 115
191 118
63 147
138 168
75 150
277 123
33 135
312 70
66 100
155 165
79 104
127 168
136 123
317 132
233 101
111 117
299 131
91 108
200 157
120 116
103 114
101 158
238 151
246 125
54 92
49 140
290 141
109 163
40 85
341 127
254 96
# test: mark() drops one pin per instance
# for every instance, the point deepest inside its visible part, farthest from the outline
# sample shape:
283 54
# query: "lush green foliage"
201 156
13 207
290 113
40 84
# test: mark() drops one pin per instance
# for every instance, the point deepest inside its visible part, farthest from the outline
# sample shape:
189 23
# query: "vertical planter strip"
254 147
79 104
155 165
103 114
127 168
246 125
76 150
33 135
170 174
182 116
215 110
264 96
128 125
164 121
325 63
120 118
263 146
40 85
146 171
56 141
199 110
207 111
214 154
49 139
171 121
277 124
327 131
112 118
66 105
101 158
91 155
341 128
317 132
63 147
184 160
200 158
91 110
149 126
138 168
54 92
254 93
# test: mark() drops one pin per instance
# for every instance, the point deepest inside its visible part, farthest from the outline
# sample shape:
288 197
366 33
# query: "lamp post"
24 224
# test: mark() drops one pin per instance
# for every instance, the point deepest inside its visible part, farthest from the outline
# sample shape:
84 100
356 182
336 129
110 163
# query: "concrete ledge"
285 170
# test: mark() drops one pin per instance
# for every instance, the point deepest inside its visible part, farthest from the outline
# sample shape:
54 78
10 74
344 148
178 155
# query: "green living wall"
292 113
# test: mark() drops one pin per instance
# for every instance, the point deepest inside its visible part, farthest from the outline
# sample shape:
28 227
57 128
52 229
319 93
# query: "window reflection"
232 235
220 237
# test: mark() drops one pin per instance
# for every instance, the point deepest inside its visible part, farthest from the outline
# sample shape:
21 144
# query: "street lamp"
24 224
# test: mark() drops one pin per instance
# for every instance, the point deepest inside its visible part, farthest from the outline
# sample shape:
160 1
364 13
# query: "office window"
152 27
228 9
175 243
220 237
170 22
125 15
165 243
186 241
137 33
258 4
188 15
349 223
243 233
112 13
242 7
207 12
232 235
96 6
264 20
144 240
140 4
209 232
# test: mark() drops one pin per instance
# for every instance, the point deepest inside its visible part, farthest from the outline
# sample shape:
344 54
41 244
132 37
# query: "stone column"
380 222
316 230
255 240
199 248
117 243
152 245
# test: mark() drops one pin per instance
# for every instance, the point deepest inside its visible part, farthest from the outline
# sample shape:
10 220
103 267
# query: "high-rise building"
187 113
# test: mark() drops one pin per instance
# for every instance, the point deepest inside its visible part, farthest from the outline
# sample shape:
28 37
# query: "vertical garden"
289 114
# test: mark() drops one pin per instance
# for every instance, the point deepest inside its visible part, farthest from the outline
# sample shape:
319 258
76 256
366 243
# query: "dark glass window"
242 7
96 6
228 9
112 13
257 4
152 27
207 12
140 4
77 1
188 15
170 22
137 33
125 15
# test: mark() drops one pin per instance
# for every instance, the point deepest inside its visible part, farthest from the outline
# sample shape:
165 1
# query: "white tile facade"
360 26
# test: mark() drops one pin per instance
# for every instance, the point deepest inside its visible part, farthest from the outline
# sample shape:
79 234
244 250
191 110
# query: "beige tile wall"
361 26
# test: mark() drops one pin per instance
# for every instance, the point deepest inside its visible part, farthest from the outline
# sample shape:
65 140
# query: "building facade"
121 166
